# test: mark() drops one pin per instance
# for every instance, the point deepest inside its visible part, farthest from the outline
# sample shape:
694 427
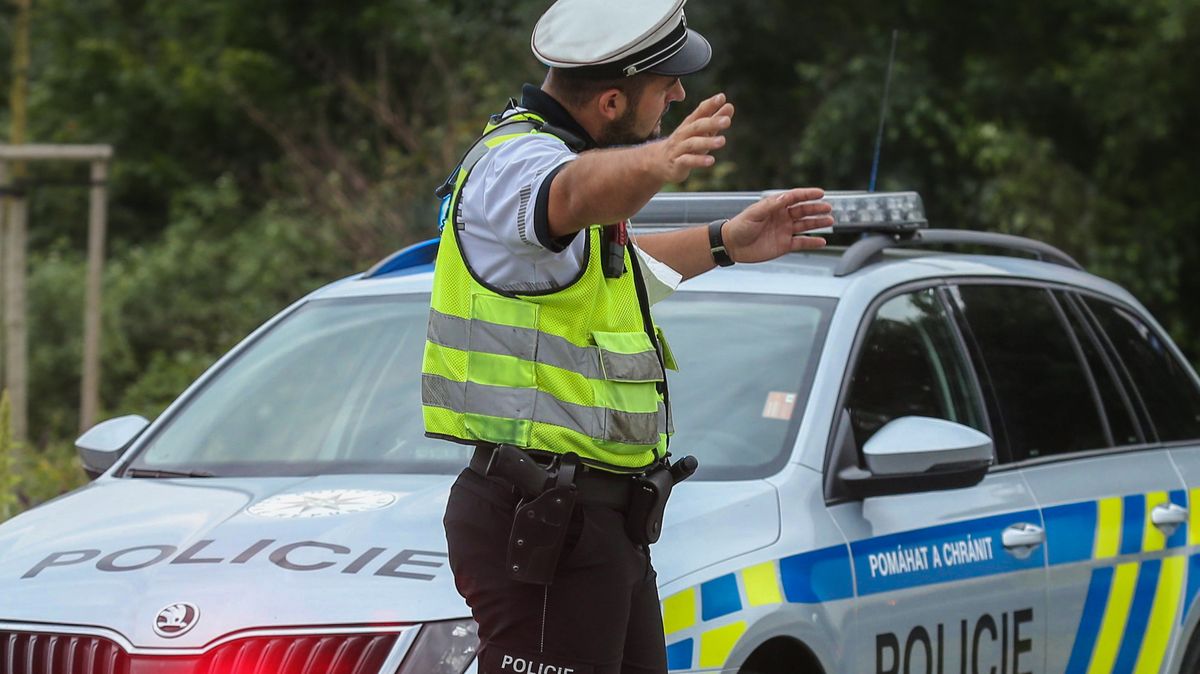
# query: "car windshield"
334 387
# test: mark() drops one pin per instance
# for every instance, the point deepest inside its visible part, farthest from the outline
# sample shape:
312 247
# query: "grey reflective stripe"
529 344
642 366
634 428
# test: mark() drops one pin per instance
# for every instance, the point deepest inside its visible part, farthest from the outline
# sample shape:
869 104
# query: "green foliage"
172 306
265 148
1056 120
47 473
9 480
29 477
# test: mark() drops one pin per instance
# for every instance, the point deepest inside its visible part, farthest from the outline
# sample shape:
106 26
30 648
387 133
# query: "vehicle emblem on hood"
176 619
322 503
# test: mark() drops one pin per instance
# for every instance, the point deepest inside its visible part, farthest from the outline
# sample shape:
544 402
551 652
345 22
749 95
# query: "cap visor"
696 54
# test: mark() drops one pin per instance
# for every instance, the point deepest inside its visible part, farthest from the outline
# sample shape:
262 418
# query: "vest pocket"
501 382
629 392
665 347
628 356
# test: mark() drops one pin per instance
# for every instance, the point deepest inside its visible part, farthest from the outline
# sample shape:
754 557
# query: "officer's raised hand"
691 145
775 225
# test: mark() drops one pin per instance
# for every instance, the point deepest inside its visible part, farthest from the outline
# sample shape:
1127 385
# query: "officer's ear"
612 103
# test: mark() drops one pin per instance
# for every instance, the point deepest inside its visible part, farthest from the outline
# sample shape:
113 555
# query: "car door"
1112 503
936 588
1165 390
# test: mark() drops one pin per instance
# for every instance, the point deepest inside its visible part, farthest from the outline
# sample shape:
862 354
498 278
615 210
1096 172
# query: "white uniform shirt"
505 237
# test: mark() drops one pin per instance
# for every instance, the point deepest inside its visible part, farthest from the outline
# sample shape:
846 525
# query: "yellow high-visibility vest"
575 369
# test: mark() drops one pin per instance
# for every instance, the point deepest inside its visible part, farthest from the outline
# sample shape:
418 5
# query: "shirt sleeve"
511 188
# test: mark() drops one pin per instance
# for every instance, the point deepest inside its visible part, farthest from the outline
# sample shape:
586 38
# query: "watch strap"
716 244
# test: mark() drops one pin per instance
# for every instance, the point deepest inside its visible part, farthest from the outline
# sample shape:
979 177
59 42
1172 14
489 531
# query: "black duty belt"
592 486
548 494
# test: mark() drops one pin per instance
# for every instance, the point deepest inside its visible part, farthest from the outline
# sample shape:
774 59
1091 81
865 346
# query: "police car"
911 461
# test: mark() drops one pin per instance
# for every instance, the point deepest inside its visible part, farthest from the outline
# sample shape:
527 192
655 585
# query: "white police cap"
619 38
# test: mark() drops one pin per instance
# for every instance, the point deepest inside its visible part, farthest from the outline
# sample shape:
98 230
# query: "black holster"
541 518
649 500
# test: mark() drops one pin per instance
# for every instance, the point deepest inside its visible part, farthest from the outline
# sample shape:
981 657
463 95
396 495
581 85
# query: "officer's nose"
677 92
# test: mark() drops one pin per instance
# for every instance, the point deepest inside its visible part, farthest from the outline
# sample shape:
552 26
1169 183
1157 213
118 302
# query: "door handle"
1020 539
1167 517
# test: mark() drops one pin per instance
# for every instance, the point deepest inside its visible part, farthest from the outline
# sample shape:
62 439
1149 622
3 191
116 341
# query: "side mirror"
105 442
916 454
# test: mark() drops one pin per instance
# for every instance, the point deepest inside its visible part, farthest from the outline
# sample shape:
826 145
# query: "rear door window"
1042 390
1165 385
1118 402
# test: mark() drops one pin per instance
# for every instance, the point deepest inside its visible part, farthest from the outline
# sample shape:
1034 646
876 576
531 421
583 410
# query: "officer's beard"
623 130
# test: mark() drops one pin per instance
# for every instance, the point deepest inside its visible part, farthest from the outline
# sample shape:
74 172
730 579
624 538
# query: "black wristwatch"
716 244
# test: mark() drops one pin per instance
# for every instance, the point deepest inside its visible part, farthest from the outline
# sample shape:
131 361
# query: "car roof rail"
868 250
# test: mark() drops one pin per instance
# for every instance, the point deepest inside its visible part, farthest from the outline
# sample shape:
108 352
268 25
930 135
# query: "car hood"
283 552
247 552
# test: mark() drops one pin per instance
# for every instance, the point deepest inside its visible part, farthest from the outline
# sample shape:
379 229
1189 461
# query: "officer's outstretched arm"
608 186
772 227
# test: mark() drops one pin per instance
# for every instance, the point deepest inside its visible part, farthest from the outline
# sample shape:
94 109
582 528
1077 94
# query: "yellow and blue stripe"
807 578
1128 614
1131 607
1109 527
1128 617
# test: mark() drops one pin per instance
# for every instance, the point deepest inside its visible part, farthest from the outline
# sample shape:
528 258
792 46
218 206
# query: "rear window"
1165 385
335 387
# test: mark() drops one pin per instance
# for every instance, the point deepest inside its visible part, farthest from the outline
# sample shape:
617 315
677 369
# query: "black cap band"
642 60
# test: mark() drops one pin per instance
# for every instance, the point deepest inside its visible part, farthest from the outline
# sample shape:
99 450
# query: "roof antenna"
887 85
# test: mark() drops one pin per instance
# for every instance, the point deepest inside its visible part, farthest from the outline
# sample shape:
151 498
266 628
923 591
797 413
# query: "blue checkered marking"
719 597
817 576
679 654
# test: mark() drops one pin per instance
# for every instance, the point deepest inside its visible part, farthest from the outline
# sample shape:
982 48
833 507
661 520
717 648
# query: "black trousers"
600 616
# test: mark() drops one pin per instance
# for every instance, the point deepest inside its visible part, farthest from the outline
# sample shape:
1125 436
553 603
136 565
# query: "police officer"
542 353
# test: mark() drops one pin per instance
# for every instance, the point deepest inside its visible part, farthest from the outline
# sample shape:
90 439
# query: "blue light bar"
411 259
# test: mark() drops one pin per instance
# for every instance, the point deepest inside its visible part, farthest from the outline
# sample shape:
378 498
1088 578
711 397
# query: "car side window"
1116 399
1041 388
1164 384
911 364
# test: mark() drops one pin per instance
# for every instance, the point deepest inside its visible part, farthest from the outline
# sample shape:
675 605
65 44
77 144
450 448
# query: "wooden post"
5 177
90 388
16 348
14 263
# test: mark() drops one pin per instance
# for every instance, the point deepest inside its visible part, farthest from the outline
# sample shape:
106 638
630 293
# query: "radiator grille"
324 654
27 653
30 653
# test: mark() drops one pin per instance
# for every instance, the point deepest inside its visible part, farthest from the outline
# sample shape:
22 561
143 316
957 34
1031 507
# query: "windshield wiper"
143 472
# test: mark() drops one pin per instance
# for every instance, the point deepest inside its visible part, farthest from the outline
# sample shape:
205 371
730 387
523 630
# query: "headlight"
443 648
